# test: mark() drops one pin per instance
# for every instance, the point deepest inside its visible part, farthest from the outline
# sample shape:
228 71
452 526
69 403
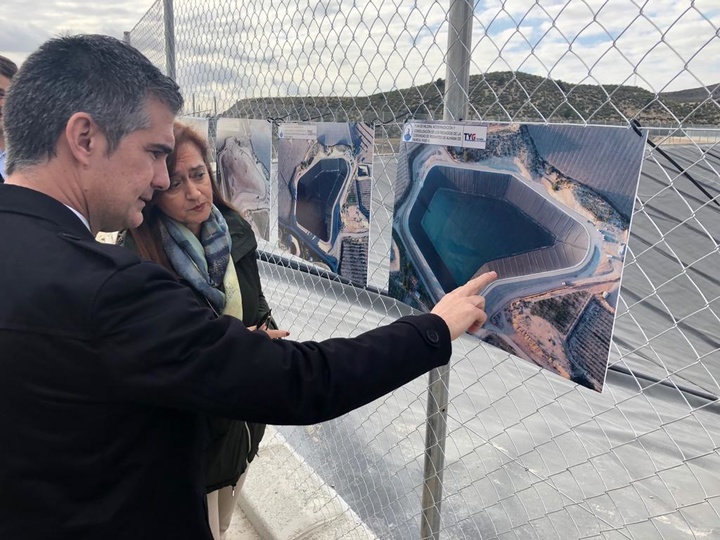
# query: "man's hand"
463 309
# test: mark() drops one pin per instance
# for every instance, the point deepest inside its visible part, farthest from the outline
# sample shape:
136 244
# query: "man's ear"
84 137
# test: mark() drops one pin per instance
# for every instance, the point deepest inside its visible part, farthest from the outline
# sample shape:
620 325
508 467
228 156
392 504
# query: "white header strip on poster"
463 135
297 131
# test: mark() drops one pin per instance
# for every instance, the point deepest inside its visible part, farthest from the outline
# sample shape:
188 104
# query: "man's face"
4 85
123 183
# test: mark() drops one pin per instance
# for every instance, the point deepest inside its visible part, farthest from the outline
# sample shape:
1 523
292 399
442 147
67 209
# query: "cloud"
25 25
18 40
660 45
227 51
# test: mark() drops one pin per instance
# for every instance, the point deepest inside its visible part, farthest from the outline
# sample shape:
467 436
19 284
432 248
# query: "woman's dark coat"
233 444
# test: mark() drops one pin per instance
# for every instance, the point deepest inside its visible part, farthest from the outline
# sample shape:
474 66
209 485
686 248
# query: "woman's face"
189 198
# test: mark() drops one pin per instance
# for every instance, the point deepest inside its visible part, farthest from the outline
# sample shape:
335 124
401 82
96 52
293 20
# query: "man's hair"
8 68
98 75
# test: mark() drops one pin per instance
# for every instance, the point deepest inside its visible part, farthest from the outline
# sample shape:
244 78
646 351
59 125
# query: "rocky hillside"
499 96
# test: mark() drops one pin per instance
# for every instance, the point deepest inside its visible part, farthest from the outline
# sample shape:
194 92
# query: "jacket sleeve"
158 346
255 305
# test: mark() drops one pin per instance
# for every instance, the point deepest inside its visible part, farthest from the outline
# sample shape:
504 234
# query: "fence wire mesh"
528 455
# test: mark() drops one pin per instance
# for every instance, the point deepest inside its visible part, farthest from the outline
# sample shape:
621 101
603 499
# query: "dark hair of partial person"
98 75
147 235
8 68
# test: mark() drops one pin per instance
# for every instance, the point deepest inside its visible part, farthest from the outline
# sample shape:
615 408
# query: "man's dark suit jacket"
107 364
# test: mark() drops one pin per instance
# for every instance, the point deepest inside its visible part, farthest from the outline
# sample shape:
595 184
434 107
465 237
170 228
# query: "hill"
693 95
497 96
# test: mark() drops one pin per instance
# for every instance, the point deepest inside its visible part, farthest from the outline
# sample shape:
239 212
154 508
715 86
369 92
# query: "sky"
26 24
274 48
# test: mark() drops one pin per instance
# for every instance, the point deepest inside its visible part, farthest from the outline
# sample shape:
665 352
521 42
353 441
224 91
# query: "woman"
193 232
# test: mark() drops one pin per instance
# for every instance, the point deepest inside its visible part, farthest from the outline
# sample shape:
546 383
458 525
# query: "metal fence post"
435 432
460 19
126 37
169 18
457 79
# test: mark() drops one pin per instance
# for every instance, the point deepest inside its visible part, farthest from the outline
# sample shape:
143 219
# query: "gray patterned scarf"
201 262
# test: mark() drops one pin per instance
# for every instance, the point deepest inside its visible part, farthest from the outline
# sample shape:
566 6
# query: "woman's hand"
274 334
277 334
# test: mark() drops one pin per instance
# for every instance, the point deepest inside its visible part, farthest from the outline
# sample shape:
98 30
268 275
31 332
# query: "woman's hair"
147 236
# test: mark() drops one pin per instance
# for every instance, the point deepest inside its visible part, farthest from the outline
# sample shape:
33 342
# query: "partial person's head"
8 69
192 190
106 112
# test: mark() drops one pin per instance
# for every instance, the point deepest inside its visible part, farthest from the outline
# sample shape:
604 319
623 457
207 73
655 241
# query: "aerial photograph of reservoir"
324 194
548 208
244 149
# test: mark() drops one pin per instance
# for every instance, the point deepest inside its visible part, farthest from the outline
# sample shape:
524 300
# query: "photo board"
547 207
324 195
244 149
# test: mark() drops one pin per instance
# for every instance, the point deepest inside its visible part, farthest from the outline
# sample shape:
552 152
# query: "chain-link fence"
527 454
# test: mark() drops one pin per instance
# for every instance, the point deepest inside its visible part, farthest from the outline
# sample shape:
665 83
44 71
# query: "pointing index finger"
477 284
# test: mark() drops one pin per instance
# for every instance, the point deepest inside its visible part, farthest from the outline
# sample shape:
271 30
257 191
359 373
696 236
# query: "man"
108 363
8 69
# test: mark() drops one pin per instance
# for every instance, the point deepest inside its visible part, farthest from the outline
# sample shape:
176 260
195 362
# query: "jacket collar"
243 239
28 202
